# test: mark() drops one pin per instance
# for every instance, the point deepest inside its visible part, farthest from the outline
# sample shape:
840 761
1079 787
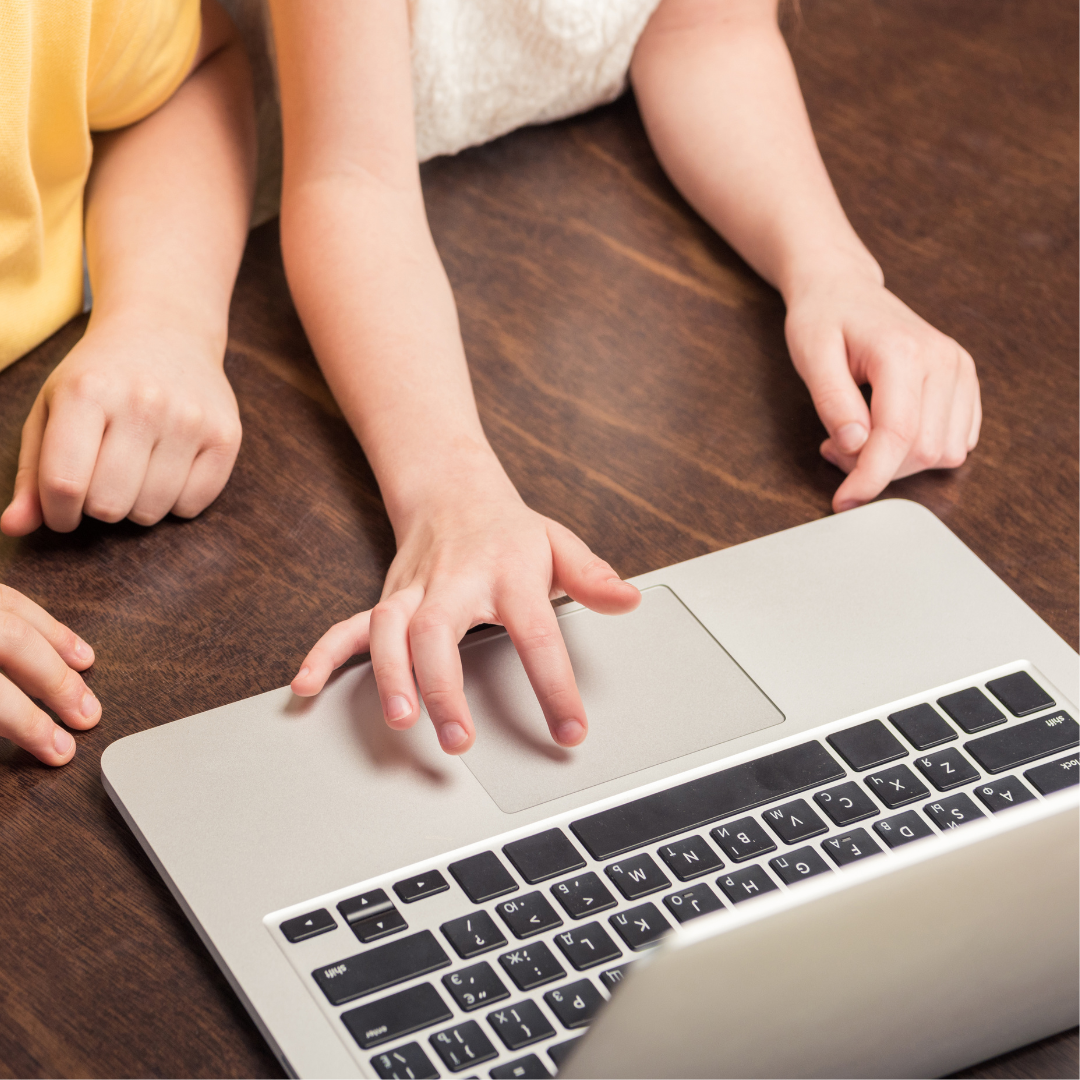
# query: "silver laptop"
824 824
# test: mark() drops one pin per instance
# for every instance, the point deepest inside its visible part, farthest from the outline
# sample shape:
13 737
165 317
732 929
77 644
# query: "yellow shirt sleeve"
140 52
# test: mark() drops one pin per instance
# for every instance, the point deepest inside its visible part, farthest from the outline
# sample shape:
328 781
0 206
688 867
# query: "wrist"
824 266
135 320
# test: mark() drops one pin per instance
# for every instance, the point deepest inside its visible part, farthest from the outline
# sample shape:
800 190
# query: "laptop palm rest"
656 686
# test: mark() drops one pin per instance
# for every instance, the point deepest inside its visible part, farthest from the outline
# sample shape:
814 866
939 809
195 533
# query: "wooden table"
632 374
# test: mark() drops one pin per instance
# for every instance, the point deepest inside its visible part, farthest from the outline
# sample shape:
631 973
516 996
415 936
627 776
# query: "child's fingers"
34 665
896 405
342 640
121 467
23 514
976 418
69 450
531 623
72 649
209 473
166 474
821 359
391 659
436 628
32 728
585 577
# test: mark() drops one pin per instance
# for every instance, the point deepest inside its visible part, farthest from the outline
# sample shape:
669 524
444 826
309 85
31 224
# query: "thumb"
585 577
820 357
23 514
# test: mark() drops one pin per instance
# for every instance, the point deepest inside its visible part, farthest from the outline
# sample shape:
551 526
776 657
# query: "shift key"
376 969
1011 747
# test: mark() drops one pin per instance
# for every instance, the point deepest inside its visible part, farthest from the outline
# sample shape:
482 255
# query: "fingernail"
848 504
82 650
571 732
398 707
63 743
851 437
89 705
452 736
303 671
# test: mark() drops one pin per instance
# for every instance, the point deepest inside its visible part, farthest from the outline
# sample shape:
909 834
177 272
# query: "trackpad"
656 686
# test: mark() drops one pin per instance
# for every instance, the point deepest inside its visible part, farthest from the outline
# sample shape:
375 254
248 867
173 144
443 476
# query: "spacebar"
708 798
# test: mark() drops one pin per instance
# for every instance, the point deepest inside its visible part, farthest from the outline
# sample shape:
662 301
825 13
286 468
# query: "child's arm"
722 106
41 658
379 313
139 418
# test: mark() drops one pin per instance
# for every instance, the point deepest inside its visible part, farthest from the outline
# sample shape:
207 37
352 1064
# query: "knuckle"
88 385
429 620
36 728
62 488
16 635
537 635
225 433
926 453
953 458
146 401
189 419
142 516
104 510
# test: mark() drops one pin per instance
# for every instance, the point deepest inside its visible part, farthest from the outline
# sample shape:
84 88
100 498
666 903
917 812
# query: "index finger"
72 649
69 450
534 629
894 412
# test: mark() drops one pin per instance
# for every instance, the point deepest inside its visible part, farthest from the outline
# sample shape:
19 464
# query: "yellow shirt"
69 67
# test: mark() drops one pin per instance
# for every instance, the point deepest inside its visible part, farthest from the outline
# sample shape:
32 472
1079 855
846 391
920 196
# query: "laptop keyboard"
493 962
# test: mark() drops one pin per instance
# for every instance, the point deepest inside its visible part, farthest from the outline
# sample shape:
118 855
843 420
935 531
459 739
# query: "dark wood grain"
632 374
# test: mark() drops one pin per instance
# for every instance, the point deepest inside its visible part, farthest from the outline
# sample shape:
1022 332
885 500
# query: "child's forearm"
169 198
720 99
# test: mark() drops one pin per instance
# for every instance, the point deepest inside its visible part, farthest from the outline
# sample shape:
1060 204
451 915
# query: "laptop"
824 824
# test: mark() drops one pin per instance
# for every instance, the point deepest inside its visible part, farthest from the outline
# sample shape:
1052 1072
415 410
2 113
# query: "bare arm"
721 102
379 312
139 418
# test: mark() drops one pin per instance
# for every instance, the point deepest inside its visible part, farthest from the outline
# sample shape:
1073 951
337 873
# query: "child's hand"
40 658
484 558
924 411
134 422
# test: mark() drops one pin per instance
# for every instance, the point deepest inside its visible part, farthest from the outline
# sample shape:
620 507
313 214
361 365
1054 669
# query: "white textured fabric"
482 68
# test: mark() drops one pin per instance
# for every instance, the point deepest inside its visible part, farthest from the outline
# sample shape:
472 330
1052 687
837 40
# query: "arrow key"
528 915
307 926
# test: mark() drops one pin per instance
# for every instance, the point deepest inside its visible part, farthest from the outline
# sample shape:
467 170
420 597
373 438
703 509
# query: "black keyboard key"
476 986
637 876
583 896
588 945
679 809
561 1051
358 908
971 709
544 856
575 1004
307 926
1016 746
799 865
421 886
794 822
473 934
379 927
846 803
867 745
947 769
743 839
690 858
531 965
614 976
528 915
923 726
954 811
746 883
897 786
1020 693
529 1067
640 926
408 1062
483 877
464 1046
520 1025
698 900
1004 792
399 1014
383 966
1054 775
902 829
850 847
